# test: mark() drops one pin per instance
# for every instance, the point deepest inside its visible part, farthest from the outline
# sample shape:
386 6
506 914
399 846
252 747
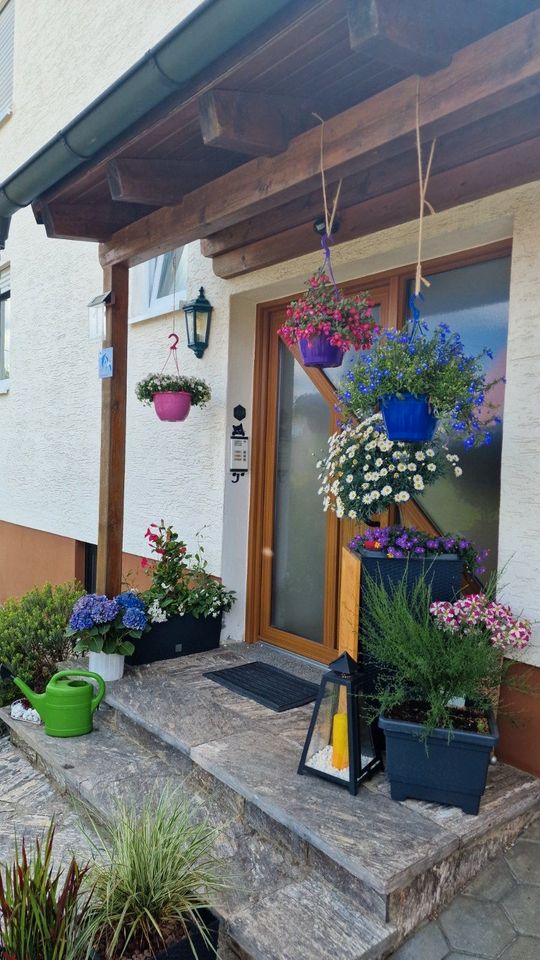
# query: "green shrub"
32 634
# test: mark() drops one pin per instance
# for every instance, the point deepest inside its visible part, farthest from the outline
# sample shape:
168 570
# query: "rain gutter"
210 31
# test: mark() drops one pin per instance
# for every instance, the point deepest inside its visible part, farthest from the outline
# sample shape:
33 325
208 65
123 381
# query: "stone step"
280 907
401 860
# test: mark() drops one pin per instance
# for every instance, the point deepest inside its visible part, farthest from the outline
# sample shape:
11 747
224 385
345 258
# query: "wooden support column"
113 437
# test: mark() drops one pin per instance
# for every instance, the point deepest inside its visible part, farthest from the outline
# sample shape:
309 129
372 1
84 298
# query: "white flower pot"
110 666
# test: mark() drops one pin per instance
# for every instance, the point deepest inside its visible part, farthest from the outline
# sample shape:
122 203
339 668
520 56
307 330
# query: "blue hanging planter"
408 418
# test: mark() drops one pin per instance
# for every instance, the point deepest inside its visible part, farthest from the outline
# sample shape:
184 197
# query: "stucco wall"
49 423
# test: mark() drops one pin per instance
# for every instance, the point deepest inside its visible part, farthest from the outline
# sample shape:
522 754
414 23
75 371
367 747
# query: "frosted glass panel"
474 302
299 522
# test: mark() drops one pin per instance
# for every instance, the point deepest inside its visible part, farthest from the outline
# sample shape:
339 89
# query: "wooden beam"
400 33
420 36
89 221
255 123
496 132
499 171
113 437
484 78
160 183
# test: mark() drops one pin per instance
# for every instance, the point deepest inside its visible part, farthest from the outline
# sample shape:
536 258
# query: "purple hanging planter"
319 352
408 418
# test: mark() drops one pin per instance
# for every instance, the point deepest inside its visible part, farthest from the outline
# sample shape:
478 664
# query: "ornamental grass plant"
423 663
153 874
173 383
43 909
431 364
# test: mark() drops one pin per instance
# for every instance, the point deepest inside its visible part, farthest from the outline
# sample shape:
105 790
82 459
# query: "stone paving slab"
28 803
496 918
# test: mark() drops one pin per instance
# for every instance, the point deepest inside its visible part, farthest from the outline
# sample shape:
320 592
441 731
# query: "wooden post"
349 602
113 437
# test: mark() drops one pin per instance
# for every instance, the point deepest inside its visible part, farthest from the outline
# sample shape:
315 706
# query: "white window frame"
158 306
7 111
5 295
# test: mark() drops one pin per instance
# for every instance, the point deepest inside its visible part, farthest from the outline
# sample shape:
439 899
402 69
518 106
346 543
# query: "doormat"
267 685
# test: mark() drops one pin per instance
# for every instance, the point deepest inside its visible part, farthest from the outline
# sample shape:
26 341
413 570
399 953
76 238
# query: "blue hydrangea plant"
102 625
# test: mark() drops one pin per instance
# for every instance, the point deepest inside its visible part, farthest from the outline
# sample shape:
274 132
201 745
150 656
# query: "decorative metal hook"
176 340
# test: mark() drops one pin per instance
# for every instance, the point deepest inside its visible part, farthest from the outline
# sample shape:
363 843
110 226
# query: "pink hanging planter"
172 405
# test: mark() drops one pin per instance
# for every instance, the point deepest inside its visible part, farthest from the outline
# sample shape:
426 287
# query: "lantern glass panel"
328 749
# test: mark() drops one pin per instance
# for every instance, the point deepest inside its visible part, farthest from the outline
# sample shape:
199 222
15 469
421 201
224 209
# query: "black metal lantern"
339 745
198 315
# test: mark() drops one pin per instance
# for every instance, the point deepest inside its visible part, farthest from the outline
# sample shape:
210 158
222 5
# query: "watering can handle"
85 673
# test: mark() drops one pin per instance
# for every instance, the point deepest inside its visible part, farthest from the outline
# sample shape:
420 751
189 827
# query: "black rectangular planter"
176 637
183 949
443 770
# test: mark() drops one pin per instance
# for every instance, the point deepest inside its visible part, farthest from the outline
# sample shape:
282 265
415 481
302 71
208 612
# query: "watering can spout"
7 673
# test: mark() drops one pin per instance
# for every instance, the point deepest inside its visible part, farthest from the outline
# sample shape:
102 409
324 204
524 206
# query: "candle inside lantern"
340 742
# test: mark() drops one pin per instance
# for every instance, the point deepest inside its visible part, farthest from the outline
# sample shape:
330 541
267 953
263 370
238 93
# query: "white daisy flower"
349 478
458 471
401 467
430 452
386 491
352 495
431 467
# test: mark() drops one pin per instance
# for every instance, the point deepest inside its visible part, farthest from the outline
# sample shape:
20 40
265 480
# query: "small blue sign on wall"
105 363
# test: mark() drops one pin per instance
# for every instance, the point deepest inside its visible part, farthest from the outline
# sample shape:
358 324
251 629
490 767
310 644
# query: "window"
153 288
4 329
7 30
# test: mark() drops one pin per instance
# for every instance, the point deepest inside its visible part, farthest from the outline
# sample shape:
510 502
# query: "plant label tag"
105 363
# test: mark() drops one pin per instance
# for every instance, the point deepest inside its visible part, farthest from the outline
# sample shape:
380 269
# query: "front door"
295 547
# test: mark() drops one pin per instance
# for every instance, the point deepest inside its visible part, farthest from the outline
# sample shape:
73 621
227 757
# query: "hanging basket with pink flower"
325 323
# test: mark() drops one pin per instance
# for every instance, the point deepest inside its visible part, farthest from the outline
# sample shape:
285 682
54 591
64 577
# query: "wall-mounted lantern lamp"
97 310
198 315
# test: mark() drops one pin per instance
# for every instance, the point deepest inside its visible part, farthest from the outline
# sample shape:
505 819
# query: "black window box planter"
452 770
177 637
183 949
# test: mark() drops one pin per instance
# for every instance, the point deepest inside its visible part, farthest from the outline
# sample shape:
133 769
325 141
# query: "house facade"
265 535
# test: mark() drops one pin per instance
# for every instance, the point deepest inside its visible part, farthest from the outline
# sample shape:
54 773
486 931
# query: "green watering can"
67 705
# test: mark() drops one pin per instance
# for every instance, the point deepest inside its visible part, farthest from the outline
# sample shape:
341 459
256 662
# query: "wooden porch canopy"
227 151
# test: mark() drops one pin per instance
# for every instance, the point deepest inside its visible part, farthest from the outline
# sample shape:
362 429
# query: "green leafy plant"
430 364
181 583
105 626
154 872
32 634
420 660
173 383
43 910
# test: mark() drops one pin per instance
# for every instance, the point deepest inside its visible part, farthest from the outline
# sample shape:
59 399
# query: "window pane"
151 284
299 522
474 302
7 26
4 339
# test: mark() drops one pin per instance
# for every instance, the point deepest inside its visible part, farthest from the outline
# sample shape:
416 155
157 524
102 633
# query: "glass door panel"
473 301
299 545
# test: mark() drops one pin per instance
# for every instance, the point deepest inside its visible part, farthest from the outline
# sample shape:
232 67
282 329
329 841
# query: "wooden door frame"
396 282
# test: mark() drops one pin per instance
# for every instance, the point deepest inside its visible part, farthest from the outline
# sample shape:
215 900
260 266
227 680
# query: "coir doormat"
267 685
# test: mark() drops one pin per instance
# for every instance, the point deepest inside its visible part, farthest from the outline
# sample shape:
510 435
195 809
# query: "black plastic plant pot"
450 767
199 947
177 637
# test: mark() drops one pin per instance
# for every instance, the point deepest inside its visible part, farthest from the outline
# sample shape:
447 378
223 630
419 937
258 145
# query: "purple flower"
104 610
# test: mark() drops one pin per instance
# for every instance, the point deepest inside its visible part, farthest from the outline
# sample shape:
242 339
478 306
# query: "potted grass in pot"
153 880
185 604
440 667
